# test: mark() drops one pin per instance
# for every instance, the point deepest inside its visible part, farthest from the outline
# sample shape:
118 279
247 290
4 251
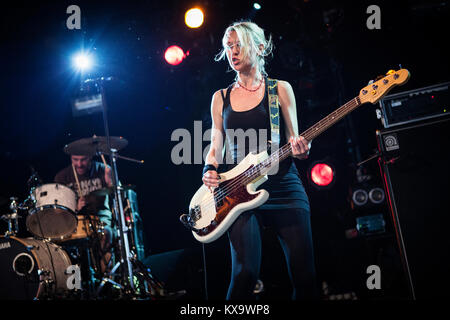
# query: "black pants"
293 229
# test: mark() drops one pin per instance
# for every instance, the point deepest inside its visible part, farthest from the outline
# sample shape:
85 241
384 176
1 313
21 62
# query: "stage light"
321 174
194 18
174 55
82 61
256 5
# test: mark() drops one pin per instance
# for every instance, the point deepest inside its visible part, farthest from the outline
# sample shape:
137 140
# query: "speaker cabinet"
415 165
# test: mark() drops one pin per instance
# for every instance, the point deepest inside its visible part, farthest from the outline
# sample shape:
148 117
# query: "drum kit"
59 261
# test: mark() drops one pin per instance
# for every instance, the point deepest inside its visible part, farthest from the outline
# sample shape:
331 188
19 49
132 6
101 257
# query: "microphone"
34 180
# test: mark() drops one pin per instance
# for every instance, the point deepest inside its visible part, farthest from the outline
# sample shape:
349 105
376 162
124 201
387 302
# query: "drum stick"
76 179
103 159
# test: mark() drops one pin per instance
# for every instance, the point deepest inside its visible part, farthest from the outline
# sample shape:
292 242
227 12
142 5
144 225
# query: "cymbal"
90 146
110 190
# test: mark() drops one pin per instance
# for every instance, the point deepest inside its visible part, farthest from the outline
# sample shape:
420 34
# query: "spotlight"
321 174
174 55
194 18
82 61
360 197
256 5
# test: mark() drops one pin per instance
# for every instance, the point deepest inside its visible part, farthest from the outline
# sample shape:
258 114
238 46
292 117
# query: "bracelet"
208 167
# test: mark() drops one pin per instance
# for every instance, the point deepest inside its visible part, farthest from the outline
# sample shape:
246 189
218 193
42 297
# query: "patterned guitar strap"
272 90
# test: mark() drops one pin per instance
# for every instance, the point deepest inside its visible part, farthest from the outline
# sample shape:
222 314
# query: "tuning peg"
390 72
370 82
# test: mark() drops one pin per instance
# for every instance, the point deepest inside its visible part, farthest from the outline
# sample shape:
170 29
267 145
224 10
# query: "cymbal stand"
127 259
127 256
127 270
109 279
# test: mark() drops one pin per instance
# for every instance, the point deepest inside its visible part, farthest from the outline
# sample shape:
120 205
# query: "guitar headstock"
377 90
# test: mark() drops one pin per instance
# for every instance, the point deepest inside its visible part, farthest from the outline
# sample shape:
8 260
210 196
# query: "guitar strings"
318 128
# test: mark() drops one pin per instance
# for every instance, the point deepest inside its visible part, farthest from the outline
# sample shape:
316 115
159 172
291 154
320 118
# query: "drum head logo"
391 142
5 245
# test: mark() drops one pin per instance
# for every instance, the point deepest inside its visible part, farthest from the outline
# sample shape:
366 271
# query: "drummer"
85 176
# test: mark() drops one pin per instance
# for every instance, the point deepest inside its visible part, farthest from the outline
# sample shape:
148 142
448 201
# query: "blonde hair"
251 37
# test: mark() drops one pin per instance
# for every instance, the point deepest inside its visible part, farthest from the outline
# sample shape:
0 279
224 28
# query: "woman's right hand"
211 179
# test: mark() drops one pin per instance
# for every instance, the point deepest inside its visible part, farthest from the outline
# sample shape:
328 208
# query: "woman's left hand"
300 147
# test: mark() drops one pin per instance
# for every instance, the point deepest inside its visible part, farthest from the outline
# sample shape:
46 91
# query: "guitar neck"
285 151
331 119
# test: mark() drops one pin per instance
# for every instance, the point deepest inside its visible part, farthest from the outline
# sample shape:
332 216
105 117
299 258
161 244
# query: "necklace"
251 90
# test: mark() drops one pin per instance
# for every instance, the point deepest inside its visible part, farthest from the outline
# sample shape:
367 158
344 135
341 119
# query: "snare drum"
53 216
86 227
32 269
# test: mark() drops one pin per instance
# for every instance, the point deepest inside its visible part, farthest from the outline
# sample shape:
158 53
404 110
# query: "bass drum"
32 269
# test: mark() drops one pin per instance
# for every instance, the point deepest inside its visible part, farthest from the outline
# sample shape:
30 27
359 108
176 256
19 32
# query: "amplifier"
414 162
414 105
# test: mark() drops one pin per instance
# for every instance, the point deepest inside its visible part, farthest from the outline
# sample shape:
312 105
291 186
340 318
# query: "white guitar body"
203 200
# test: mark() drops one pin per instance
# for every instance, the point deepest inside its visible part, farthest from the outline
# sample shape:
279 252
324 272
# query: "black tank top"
285 188
254 122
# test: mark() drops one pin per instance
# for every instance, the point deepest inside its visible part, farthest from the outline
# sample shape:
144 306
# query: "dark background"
323 48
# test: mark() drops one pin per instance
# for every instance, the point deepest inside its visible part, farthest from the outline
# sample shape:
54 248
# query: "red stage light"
174 55
322 174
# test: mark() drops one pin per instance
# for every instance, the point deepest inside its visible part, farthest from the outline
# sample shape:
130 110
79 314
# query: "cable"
204 273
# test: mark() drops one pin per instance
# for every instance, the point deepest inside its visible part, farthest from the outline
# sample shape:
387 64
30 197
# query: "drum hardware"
119 217
12 219
34 180
108 279
43 272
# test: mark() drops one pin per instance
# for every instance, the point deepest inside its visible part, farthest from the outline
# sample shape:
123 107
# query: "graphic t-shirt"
93 180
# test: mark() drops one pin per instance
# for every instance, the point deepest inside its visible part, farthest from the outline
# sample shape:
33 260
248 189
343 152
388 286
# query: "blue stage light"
82 61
